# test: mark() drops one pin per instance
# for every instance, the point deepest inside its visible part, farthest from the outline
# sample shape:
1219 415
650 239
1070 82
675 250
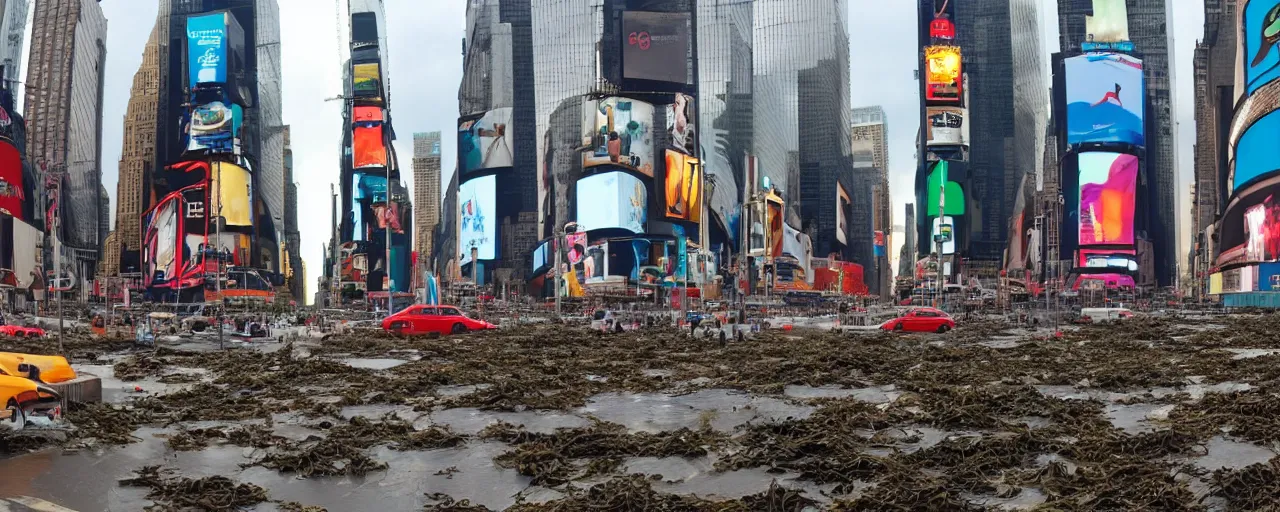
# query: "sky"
426 68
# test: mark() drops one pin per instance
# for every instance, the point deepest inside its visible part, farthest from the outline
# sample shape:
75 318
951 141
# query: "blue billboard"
1105 99
612 200
1261 30
1256 150
207 49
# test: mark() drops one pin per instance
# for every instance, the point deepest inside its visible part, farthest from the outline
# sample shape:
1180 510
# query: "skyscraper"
1148 22
293 237
870 132
64 94
426 194
1214 64
13 28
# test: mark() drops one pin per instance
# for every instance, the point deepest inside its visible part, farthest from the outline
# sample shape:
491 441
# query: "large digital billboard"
207 48
681 119
1109 22
683 187
231 194
948 126
367 147
1255 153
951 193
1108 187
1105 99
1262 230
485 142
944 226
842 223
656 46
366 81
1249 230
160 242
618 131
215 128
612 200
1261 31
12 196
1094 259
944 78
477 202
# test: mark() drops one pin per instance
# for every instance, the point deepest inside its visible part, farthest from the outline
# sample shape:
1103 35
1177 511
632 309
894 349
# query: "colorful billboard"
1255 153
477 204
1262 230
1250 224
948 126
618 131
842 222
1105 99
681 119
1123 259
1260 27
683 187
951 194
215 128
946 228
160 243
207 48
612 200
366 81
232 194
12 196
485 142
656 46
1108 187
367 147
944 78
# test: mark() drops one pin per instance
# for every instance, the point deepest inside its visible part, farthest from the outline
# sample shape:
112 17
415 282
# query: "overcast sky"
426 67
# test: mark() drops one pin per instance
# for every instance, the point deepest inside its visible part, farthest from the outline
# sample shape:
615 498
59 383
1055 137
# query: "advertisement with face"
215 127
1105 94
367 147
948 126
12 196
485 143
1260 29
680 123
207 48
365 81
1108 186
656 46
232 194
476 209
943 75
613 200
683 187
618 131
1256 150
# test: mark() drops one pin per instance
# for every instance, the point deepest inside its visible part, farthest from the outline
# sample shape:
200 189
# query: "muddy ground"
1147 415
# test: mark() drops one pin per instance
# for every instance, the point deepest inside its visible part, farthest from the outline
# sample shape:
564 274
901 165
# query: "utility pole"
53 186
217 251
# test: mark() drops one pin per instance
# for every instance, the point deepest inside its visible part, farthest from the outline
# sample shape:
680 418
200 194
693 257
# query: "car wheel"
459 329
943 328
398 328
897 326
17 420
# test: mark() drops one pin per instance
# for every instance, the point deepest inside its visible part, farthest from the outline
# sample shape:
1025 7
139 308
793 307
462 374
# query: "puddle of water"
874 395
1250 353
468 420
452 391
909 440
1223 453
1001 342
377 411
724 409
697 476
1133 419
1026 499
657 374
115 391
373 363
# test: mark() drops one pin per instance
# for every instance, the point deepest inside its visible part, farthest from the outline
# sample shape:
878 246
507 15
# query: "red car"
14 331
422 319
921 320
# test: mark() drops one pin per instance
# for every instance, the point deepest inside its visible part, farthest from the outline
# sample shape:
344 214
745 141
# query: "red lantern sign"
942 28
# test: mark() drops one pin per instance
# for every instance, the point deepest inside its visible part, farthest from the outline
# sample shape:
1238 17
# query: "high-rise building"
293 236
1152 41
907 258
426 194
13 31
1213 65
870 135
64 94
137 158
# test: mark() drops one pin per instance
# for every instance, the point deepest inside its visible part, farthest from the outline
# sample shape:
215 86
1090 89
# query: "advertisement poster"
948 126
476 205
618 131
366 115
367 148
485 143
943 76
1262 231
656 46
945 228
231 194
613 200
576 247
215 127
1105 93
1108 184
1109 23
207 49
365 82
1256 150
680 123
842 221
12 195
1258 52
774 213
683 187
160 246
1125 259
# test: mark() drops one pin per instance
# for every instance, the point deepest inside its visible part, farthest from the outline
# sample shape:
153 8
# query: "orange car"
43 369
24 399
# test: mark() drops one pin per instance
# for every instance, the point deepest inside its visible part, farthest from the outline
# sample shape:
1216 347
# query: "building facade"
1213 66
870 133
13 31
426 194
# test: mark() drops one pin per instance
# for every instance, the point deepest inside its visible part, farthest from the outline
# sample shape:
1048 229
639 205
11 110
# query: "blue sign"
1261 27
1120 46
1105 94
207 49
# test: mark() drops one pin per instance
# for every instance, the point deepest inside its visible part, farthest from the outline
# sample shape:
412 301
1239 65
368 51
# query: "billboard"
207 48
951 194
1109 23
683 187
613 200
945 227
1259 33
476 211
681 119
366 115
485 142
618 131
1262 230
1250 224
1124 259
1105 99
1108 187
1256 149
943 75
160 242
656 46
12 196
948 126
195 232
540 260
366 81
215 128
231 194
842 222
367 147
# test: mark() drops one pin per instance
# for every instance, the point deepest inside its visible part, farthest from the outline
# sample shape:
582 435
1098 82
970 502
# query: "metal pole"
217 252
555 244
386 219
57 257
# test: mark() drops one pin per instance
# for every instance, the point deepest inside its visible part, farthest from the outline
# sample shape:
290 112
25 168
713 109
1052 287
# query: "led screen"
613 200
683 187
476 205
1108 184
485 142
954 195
1249 224
207 48
540 256
11 191
161 242
1262 230
1105 99
232 194
656 46
366 115
943 74
368 190
366 80
842 223
948 126
1260 57
368 149
1256 152
215 127
618 131
1123 259
1109 22
949 246
195 230
680 123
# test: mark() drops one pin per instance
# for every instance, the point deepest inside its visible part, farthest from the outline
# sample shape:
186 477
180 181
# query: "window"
927 314
450 312
425 311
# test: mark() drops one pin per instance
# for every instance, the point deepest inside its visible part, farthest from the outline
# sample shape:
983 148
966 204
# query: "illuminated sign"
1108 187
943 74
